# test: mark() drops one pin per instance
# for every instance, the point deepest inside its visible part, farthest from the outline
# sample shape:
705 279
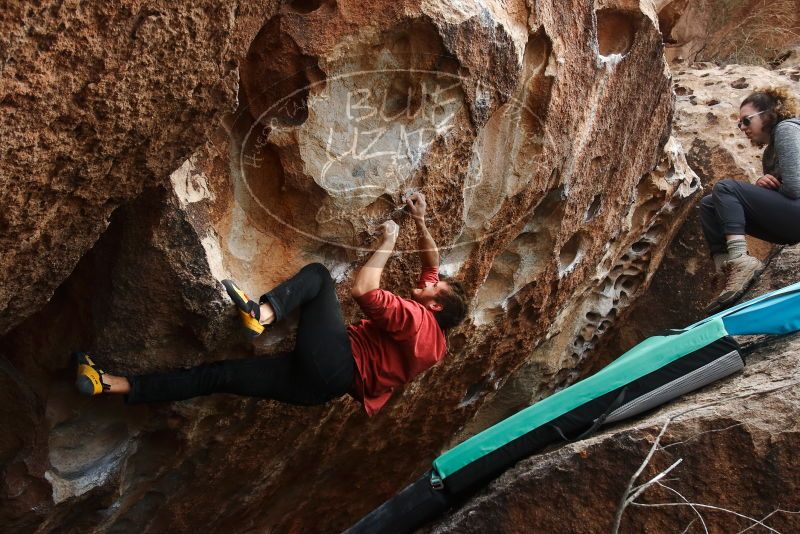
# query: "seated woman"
768 210
400 338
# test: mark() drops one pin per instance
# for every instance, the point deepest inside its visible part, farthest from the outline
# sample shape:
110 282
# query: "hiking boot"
249 309
90 378
740 273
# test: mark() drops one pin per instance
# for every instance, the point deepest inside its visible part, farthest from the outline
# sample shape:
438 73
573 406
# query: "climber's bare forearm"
369 276
428 251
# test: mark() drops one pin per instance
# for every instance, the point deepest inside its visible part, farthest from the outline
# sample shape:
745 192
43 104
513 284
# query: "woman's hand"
769 182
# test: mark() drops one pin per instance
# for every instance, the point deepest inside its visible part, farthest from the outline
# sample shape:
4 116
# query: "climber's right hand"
769 182
417 206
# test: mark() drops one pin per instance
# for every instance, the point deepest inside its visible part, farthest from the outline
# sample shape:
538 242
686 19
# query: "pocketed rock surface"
704 126
707 105
99 101
736 441
183 145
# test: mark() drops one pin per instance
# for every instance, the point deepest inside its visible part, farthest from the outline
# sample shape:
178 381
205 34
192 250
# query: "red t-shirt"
399 340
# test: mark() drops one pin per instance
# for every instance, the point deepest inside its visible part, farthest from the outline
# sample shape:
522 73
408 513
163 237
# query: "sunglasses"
746 120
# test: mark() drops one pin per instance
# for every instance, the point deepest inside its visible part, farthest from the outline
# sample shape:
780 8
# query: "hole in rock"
305 6
640 246
616 31
538 88
535 245
531 314
497 288
277 77
407 50
273 198
526 256
649 200
594 208
548 213
537 52
457 342
586 333
654 234
124 304
474 392
87 439
740 83
627 285
571 252
514 308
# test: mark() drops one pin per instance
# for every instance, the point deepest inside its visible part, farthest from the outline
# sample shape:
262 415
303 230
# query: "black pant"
320 368
738 208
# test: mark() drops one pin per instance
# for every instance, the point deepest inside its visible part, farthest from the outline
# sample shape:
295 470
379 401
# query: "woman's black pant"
320 368
739 208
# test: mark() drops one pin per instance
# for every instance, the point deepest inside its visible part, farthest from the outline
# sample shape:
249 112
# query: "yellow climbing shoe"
248 309
90 378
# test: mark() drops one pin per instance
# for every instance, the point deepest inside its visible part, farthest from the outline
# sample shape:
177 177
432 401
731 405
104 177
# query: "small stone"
740 83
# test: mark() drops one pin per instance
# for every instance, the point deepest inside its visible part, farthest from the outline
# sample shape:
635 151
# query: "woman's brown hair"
777 103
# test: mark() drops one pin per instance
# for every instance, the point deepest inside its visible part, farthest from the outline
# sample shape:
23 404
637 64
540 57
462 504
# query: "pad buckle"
436 482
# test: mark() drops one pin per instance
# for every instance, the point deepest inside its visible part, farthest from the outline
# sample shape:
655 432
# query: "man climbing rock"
399 339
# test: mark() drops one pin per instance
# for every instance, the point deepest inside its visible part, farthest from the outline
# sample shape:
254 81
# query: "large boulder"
539 135
708 98
733 443
99 101
707 108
